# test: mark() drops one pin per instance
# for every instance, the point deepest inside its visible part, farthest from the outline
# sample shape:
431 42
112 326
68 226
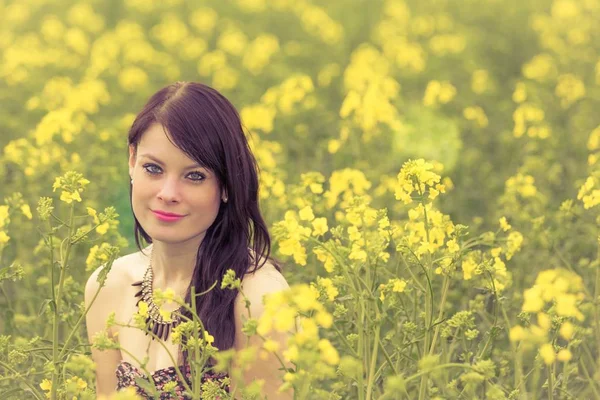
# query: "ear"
132 155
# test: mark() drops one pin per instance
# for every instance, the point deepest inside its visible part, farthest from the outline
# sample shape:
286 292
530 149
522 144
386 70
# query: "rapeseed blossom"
418 176
476 114
523 185
71 184
347 183
569 89
290 235
438 93
370 92
588 193
540 68
563 290
529 118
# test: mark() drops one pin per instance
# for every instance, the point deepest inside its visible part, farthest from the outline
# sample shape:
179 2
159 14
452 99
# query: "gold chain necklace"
155 322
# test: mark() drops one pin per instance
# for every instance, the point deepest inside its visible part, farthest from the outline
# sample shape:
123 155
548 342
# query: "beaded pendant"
155 323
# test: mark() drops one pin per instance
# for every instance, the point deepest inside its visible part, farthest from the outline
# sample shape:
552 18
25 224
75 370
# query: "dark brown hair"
206 126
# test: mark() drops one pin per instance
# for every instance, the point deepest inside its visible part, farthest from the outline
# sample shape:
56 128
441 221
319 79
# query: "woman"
194 196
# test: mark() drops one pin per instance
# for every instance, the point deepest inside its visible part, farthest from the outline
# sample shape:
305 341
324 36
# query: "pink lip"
167 217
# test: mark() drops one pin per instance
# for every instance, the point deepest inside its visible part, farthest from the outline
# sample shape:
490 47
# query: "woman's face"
166 180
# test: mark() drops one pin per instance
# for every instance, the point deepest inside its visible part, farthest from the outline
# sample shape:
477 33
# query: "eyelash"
146 166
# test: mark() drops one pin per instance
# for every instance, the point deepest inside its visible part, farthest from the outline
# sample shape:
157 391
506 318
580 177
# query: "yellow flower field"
429 171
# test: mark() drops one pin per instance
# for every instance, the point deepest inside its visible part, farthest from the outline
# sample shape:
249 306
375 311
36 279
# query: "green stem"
589 378
597 308
81 317
371 380
56 299
550 382
361 349
445 287
18 375
197 376
428 301
437 367
518 351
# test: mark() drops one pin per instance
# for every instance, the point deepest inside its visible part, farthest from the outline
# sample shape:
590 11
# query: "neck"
173 264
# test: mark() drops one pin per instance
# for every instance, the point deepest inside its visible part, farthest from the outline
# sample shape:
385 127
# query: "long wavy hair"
206 126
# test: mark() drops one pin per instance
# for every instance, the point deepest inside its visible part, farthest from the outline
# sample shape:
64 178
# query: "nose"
169 191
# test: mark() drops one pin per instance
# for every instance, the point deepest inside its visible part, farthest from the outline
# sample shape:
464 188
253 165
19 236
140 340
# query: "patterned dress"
127 373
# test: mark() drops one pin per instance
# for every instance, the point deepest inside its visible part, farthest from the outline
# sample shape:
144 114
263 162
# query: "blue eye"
148 168
153 169
200 177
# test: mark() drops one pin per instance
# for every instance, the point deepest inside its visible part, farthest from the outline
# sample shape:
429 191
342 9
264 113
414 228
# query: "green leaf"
43 306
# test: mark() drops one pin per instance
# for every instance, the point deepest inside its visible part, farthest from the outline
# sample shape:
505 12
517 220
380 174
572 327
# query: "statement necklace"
155 322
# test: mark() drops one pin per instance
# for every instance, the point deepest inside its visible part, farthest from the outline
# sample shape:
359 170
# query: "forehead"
155 142
155 137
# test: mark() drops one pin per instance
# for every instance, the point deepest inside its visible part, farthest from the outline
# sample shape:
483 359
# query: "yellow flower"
93 213
68 197
517 333
3 215
309 331
566 305
520 93
415 176
566 330
328 353
271 345
438 92
165 314
286 318
306 297
324 319
504 224
4 238
46 385
103 228
326 258
357 253
319 226
330 289
398 285
291 354
258 117
570 89
143 308
533 299
79 383
306 214
564 355
333 146
132 78
26 211
452 246
204 19
208 338
547 353
544 321
468 266
540 68
476 114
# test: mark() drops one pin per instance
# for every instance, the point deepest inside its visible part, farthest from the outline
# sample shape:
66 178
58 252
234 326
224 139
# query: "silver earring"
225 200
132 181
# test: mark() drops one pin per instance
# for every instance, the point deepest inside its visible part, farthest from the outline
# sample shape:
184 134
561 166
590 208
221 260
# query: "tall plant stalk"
56 297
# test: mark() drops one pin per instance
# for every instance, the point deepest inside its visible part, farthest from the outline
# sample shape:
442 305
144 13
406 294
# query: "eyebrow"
150 156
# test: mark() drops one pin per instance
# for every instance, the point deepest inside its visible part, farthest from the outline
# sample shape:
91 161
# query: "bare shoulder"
267 277
255 286
124 271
